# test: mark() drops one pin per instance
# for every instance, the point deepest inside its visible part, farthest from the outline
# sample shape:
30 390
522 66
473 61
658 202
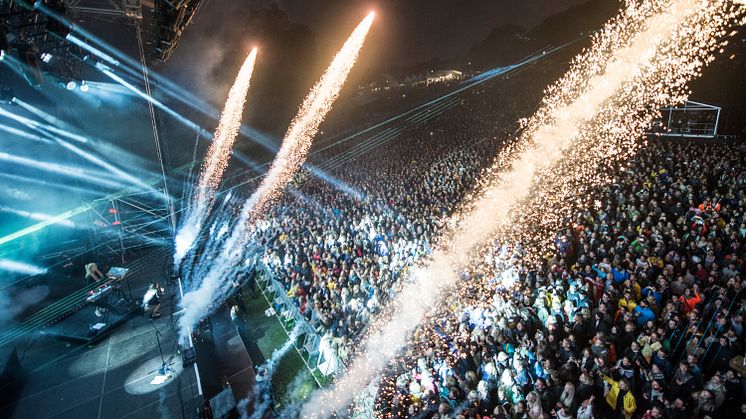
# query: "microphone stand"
165 368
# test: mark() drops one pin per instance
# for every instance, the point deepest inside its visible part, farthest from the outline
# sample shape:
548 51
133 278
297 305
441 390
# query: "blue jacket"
645 314
619 275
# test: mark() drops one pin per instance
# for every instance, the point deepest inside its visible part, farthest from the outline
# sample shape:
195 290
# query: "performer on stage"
92 273
151 301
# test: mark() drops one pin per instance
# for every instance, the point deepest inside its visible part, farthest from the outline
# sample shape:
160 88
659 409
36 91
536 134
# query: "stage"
110 378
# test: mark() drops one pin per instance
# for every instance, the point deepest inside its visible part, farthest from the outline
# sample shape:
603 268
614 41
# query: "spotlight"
71 85
6 94
46 57
84 87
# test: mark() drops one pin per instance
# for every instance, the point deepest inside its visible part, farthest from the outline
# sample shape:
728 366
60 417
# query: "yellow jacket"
630 405
628 304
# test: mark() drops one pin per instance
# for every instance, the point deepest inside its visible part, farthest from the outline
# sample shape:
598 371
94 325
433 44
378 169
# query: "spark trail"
214 281
216 160
641 60
306 123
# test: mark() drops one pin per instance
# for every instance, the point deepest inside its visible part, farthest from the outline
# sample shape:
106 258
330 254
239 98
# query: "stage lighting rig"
162 21
37 41
170 18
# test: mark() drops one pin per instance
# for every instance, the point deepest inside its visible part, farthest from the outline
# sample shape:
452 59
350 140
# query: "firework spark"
216 159
215 281
640 61
306 123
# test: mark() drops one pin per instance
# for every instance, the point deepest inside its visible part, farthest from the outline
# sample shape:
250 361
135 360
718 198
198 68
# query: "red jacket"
690 303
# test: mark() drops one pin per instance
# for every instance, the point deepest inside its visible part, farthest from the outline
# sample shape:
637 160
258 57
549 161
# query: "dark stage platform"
111 377
223 358
86 327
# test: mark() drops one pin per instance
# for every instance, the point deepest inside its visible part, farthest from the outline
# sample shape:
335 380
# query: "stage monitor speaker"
188 356
223 405
11 376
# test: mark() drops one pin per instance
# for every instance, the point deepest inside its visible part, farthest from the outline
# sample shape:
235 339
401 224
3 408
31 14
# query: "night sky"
410 31
405 32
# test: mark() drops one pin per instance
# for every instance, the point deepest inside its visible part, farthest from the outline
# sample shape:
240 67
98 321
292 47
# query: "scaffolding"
128 9
692 120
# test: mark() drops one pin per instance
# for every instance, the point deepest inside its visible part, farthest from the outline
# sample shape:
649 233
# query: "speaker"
11 376
223 405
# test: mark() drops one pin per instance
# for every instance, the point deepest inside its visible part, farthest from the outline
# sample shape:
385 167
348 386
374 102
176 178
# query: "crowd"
341 247
638 313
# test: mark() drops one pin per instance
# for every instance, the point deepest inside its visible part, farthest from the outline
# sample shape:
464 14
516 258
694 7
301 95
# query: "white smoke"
260 398
214 280
12 304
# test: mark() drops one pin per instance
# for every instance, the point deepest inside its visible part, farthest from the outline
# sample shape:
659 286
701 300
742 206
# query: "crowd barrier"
319 355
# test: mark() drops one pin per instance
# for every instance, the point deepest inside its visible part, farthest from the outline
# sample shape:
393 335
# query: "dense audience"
638 312
343 262
340 248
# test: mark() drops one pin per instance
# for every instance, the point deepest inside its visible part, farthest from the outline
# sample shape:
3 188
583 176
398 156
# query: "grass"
291 382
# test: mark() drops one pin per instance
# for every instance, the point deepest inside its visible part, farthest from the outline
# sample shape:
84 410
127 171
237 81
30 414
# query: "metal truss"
692 120
131 9
30 32
121 223
170 18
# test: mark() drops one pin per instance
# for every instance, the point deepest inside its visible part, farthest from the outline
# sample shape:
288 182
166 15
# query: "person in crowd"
658 411
620 398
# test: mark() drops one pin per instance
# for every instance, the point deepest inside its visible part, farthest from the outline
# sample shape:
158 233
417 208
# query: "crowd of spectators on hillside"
638 313
341 247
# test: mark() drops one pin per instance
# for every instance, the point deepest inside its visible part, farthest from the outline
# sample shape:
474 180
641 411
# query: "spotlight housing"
6 94
84 87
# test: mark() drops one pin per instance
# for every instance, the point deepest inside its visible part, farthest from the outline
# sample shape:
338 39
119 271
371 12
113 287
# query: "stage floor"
112 378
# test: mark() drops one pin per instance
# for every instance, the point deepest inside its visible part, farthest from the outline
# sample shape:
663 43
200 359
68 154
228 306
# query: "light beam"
21 267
